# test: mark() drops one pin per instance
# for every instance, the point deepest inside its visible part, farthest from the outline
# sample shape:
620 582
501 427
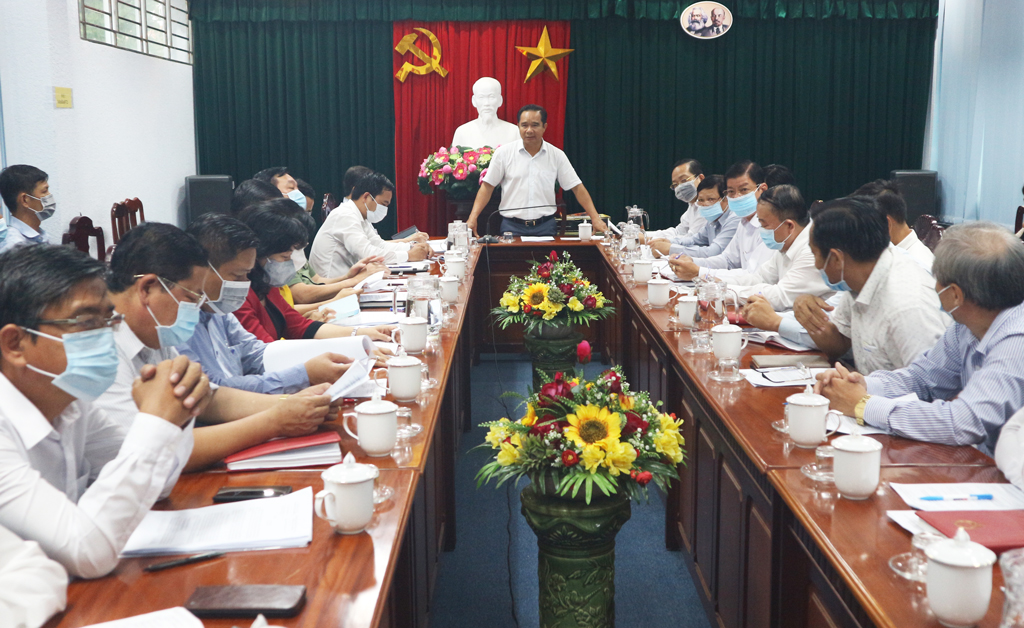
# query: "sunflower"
593 425
535 294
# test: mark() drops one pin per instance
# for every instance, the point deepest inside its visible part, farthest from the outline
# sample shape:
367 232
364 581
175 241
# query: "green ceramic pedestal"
576 565
552 355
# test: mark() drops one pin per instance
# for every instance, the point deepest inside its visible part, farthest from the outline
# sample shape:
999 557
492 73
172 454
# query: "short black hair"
787 203
267 174
777 174
713 181
36 276
692 165
306 189
853 225
352 176
222 237
154 247
374 183
279 228
542 110
748 168
888 196
17 179
250 192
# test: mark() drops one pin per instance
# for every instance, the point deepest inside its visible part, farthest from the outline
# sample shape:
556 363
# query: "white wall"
131 131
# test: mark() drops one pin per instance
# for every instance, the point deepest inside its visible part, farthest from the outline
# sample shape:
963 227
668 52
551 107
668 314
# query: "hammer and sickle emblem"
431 63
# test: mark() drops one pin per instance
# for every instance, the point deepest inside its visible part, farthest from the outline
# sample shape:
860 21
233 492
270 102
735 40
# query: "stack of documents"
319 449
373 282
438 246
410 267
960 496
369 319
381 299
176 617
282 354
343 307
270 523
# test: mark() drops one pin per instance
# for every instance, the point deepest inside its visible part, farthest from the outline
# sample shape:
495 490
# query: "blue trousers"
546 229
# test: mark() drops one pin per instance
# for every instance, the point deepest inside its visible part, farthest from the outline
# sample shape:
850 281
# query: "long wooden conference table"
765 545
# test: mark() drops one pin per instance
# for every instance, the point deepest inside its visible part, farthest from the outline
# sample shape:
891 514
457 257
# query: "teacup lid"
585 222
376 405
448 279
658 280
726 328
454 258
403 360
807 398
688 297
413 320
856 443
643 261
350 471
960 551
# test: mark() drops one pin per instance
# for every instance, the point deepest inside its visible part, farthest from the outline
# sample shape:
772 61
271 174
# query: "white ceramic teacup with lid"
857 464
807 417
376 424
346 502
404 374
959 580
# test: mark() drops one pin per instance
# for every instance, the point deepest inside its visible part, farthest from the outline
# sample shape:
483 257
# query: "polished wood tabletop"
859 538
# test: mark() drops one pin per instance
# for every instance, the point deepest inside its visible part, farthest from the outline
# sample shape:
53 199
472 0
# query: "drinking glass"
508 237
913 565
1012 565
706 316
406 428
425 301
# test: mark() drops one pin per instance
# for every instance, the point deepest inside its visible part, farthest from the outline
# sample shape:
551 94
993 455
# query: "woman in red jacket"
265 313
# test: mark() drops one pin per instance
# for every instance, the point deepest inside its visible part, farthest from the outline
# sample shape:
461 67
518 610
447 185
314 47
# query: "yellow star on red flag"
543 56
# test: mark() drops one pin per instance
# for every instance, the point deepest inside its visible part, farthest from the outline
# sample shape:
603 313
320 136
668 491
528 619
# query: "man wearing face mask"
962 390
279 177
230 355
744 184
718 231
26 192
157 280
74 480
348 234
687 174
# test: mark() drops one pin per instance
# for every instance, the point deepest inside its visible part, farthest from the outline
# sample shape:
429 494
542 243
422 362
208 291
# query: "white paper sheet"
176 617
372 279
343 307
272 522
282 354
438 246
369 319
780 377
382 297
410 266
909 521
353 378
537 238
1004 496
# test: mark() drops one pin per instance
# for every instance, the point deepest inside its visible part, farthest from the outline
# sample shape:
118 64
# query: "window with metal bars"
154 27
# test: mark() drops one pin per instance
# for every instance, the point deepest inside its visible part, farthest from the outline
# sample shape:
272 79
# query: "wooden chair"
923 225
79 232
933 237
328 205
124 216
1019 221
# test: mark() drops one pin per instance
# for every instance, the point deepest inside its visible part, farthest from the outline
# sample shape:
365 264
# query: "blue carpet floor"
653 589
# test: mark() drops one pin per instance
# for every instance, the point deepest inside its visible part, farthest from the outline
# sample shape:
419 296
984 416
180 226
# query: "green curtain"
313 96
841 102
483 10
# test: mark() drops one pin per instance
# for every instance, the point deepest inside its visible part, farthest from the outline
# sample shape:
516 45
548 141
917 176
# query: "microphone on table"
489 239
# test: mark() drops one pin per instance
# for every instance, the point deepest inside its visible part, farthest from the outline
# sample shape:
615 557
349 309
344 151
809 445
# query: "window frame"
165 43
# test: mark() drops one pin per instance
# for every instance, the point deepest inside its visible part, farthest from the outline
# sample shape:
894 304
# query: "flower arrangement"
555 291
579 434
457 170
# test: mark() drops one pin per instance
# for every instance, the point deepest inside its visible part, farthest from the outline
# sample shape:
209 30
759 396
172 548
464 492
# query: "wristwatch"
858 410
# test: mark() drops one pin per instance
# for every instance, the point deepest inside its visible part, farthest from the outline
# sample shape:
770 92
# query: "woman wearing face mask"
265 313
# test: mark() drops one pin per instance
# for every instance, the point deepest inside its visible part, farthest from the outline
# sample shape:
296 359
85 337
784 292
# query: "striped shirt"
967 388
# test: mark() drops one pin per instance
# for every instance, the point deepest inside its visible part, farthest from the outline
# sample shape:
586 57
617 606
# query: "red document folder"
998 530
285 444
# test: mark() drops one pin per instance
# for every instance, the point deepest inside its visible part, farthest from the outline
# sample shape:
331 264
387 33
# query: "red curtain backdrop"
429 108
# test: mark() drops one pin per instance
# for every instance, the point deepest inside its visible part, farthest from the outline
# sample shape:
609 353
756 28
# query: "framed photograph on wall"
706 20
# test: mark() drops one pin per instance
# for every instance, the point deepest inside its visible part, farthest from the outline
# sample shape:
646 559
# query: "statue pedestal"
459 209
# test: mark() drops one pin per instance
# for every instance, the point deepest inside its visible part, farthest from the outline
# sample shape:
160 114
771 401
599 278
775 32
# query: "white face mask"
232 295
686 192
378 214
299 258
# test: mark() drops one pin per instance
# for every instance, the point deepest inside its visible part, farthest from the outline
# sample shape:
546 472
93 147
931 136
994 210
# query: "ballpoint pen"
183 561
961 498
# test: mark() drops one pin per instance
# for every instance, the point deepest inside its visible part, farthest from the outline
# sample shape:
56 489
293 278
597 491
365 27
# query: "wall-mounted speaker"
920 190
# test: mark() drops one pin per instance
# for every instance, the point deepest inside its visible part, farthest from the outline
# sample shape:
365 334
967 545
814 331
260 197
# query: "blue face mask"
745 205
184 324
711 212
92 362
299 198
841 286
768 237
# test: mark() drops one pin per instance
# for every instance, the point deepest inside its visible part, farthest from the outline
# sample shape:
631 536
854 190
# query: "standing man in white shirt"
72 479
348 235
894 206
744 184
26 192
687 175
527 171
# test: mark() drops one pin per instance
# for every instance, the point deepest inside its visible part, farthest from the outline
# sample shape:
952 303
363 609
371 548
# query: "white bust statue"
487 129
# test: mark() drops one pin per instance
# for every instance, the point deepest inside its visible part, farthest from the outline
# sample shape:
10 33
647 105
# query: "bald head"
985 260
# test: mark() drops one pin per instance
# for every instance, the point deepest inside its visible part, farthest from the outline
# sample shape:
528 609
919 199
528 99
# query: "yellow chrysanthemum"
535 294
575 305
593 425
508 455
531 416
550 309
620 458
510 302
668 425
498 433
626 402
667 443
592 458
586 282
600 300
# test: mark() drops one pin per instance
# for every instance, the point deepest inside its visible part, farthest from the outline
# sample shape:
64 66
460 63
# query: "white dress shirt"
32 587
345 238
80 486
784 277
690 222
529 180
896 316
20 233
917 249
745 253
1009 452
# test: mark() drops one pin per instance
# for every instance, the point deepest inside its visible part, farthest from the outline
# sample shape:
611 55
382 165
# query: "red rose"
614 381
566 289
526 308
583 352
590 302
556 389
570 457
644 477
544 270
545 424
633 423
553 257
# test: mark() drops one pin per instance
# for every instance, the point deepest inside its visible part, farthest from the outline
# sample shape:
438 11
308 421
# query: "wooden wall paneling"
706 454
758 567
682 519
729 564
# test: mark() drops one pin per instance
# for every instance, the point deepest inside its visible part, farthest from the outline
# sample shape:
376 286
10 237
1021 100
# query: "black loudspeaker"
208 193
920 190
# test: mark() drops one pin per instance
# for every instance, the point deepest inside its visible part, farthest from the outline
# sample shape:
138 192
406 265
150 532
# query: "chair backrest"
923 225
328 205
125 216
933 237
1019 221
79 232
